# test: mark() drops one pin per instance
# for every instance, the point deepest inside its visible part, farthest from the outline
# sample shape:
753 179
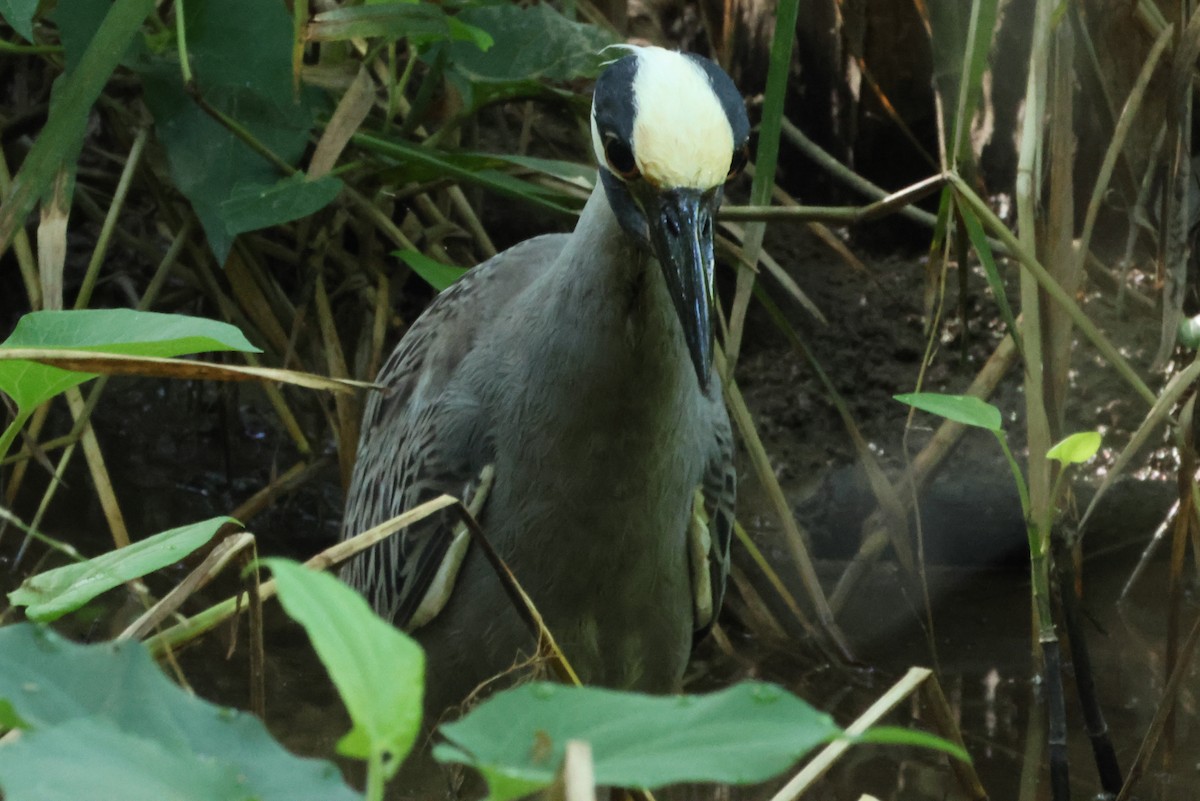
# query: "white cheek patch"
597 142
681 135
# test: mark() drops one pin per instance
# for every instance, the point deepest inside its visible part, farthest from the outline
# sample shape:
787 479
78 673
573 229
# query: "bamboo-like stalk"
1105 755
1185 480
1038 509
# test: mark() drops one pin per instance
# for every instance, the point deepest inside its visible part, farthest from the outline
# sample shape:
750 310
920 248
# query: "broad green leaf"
250 208
743 734
378 670
241 54
136 333
53 684
50 595
19 14
437 275
107 763
122 331
78 22
1075 449
965 409
534 46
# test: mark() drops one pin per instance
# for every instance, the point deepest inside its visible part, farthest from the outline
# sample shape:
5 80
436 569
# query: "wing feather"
424 436
719 491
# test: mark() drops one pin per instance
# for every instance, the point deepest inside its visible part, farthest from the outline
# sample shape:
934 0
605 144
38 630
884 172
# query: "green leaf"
50 595
534 46
109 703
415 160
9 719
1075 449
77 24
437 275
250 208
743 734
894 735
581 175
136 333
965 409
106 763
420 23
121 331
241 54
378 670
19 14
983 250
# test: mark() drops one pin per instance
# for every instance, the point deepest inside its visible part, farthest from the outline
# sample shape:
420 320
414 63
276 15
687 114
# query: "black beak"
680 223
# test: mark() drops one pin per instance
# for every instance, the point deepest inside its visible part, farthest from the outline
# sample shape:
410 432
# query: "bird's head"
669 130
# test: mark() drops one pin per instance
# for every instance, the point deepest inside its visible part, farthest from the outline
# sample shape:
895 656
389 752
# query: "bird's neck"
601 253
613 292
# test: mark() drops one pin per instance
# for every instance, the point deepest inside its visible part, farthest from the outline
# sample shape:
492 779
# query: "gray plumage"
562 364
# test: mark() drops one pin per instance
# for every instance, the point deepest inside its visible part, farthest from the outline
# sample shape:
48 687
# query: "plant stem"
1105 755
10 433
1022 490
375 776
185 66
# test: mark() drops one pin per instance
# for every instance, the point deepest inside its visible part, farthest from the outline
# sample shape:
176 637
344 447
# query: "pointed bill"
680 223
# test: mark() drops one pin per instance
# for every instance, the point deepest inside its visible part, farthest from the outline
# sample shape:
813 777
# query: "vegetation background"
999 201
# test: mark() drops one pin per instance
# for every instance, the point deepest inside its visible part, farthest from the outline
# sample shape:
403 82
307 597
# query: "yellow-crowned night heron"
578 368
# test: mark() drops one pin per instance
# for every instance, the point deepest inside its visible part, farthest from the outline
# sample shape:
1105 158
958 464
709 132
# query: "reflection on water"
982 631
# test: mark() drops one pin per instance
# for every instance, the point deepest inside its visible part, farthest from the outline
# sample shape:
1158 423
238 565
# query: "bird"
568 383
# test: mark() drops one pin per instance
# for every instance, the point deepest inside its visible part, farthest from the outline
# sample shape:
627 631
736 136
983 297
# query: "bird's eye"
738 162
620 159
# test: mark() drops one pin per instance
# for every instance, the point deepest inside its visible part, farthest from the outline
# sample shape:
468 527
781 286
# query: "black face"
674 223
614 108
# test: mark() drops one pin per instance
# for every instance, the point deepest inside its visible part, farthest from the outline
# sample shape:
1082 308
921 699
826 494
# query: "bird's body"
562 366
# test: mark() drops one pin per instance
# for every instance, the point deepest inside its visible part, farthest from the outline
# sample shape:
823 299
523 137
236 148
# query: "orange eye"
620 159
738 162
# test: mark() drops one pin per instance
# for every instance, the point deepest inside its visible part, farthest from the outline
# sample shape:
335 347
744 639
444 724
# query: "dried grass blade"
100 478
115 364
816 768
202 574
1180 383
1129 113
347 411
110 218
351 110
52 236
212 617
794 538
